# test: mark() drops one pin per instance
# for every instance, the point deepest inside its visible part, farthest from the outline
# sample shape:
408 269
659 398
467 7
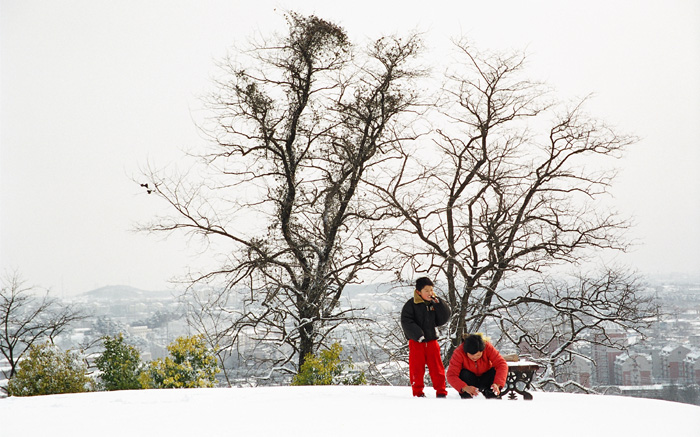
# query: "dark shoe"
465 395
440 395
422 395
489 394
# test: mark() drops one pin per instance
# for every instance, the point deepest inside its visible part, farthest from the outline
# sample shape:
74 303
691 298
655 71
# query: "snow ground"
338 411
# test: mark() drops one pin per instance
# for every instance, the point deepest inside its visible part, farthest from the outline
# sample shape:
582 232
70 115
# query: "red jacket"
490 358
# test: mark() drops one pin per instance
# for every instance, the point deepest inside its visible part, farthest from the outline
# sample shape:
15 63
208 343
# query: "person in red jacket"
420 317
476 366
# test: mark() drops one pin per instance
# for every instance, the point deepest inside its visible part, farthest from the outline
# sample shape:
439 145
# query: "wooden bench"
520 374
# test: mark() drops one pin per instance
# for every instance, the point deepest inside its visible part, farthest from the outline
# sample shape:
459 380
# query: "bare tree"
212 313
380 344
26 319
553 318
301 119
509 189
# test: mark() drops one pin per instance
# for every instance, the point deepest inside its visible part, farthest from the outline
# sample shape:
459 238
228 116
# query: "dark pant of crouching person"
482 382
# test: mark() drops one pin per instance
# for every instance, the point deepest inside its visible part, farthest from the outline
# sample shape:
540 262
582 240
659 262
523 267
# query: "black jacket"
420 318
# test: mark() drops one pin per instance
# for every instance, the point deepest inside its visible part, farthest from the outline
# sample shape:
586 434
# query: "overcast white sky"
93 89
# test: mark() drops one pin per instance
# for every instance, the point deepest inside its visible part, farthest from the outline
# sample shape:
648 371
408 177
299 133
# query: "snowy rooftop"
338 411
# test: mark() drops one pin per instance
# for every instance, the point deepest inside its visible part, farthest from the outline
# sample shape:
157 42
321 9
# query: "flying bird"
148 190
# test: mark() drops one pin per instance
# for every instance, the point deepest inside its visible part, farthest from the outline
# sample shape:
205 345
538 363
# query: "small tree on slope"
120 364
47 371
189 365
327 369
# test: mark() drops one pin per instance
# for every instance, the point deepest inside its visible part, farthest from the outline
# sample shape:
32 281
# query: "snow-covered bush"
189 365
328 369
48 370
120 364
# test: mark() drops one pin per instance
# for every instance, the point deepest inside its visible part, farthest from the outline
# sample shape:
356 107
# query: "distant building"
633 370
672 368
139 331
605 355
656 361
583 370
694 340
691 368
655 391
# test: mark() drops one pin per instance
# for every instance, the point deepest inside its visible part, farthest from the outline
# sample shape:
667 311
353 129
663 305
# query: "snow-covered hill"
338 411
124 292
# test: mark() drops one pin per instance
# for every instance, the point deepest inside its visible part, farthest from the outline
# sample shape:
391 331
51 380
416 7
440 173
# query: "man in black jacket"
420 317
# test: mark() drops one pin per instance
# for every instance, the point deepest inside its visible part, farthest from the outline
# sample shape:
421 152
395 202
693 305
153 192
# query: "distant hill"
125 292
353 290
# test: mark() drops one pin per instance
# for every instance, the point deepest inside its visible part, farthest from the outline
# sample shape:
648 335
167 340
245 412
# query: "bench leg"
518 382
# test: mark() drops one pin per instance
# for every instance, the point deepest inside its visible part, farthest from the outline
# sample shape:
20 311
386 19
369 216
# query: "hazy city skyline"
91 91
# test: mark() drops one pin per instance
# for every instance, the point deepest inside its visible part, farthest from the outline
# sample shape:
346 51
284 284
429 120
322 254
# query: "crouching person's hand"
471 390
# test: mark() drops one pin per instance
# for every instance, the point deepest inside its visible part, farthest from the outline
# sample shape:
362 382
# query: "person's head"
474 346
424 287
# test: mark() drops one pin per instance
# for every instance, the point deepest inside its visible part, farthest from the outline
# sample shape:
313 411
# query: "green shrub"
328 369
190 364
120 364
48 370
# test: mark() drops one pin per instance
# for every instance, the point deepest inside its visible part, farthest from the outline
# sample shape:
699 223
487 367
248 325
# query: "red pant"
420 355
